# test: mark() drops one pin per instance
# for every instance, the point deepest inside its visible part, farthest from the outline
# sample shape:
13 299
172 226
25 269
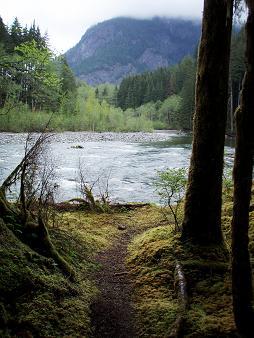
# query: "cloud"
67 21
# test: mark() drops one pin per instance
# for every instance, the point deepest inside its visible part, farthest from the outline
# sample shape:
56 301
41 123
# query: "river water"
128 162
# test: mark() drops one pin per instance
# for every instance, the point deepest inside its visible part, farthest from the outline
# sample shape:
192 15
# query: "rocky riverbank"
70 137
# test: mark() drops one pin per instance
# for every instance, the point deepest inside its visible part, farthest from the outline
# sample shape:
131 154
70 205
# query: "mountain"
113 49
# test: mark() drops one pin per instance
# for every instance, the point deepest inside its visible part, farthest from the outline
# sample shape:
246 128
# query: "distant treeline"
172 89
36 85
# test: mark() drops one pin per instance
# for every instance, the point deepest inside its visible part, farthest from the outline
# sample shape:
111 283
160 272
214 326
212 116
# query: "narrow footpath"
112 312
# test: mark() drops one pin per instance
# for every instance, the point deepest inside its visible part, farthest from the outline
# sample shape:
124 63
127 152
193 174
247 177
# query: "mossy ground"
36 299
151 261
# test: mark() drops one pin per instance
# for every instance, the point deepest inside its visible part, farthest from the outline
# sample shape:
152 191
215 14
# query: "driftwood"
181 285
129 206
75 204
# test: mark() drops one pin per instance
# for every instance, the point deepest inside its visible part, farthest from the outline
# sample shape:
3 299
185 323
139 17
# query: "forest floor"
125 283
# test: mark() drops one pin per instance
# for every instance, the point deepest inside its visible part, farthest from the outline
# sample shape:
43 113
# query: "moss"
151 261
152 267
36 299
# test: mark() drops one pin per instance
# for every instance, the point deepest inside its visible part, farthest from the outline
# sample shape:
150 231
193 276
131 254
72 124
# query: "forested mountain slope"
113 49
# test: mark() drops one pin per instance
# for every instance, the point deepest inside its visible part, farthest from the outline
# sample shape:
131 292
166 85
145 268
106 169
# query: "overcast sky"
67 21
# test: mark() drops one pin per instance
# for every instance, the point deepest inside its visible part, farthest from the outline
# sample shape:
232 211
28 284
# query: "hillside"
113 49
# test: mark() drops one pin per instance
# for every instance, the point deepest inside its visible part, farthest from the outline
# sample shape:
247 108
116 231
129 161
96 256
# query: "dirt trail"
112 313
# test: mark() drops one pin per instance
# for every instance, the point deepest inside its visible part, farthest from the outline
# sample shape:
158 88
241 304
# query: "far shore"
88 136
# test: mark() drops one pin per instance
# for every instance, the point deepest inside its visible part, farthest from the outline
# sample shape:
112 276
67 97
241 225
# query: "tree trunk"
202 218
243 166
231 114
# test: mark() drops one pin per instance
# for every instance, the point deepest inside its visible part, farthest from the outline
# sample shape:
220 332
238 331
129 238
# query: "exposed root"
181 285
51 251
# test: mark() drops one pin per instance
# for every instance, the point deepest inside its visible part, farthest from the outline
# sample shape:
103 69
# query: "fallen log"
181 286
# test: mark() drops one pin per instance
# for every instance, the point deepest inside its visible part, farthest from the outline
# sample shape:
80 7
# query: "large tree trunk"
243 166
202 218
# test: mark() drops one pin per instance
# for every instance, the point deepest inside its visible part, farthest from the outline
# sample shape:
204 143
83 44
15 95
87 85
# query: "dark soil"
112 312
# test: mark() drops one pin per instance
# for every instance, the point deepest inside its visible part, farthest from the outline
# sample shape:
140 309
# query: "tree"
68 88
10 88
202 214
242 173
4 36
188 95
237 69
37 76
15 34
170 186
170 111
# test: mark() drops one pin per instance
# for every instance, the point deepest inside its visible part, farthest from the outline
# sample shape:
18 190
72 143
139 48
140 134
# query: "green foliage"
237 67
170 186
187 93
34 83
31 73
170 111
107 92
39 80
139 89
173 86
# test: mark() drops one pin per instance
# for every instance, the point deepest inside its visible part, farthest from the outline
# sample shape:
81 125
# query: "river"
129 161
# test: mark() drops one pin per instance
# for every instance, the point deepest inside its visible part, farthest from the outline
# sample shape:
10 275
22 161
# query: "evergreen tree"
188 95
4 36
16 36
68 88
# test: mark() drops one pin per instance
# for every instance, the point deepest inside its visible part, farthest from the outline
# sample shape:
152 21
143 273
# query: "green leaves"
170 186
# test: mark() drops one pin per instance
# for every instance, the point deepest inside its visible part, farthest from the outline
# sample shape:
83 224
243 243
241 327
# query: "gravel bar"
70 137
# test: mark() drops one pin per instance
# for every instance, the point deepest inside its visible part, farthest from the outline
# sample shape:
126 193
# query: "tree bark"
243 167
202 218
